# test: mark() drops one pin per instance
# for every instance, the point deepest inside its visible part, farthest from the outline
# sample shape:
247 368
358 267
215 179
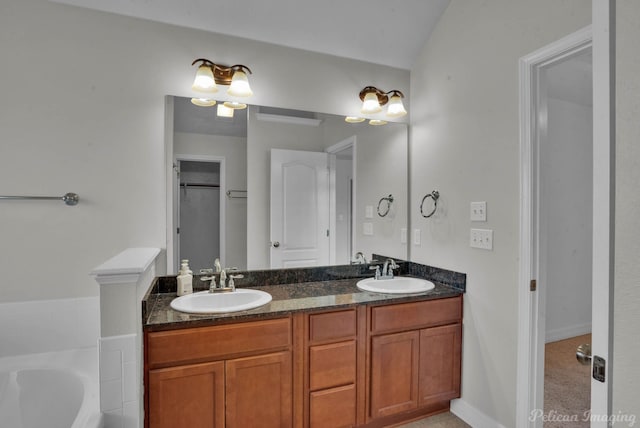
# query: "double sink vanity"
322 352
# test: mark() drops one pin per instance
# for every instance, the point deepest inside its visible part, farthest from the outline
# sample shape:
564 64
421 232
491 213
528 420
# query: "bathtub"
54 390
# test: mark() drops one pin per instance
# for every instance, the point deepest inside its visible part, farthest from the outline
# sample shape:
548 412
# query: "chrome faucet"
222 287
359 259
387 269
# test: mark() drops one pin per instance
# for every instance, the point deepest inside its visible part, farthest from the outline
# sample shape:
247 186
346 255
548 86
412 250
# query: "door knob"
583 354
276 244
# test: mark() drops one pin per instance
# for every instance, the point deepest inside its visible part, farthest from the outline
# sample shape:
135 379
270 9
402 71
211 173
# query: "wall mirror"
278 188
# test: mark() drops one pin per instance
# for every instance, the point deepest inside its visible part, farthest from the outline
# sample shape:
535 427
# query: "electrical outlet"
367 229
403 235
368 211
478 211
481 238
416 236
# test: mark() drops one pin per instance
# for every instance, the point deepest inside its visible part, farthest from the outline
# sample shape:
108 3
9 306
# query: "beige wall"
626 343
82 110
465 143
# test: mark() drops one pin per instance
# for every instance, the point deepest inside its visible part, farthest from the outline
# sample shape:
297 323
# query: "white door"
299 208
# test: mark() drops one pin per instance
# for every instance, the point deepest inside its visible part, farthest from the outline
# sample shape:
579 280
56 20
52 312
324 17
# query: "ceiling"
387 32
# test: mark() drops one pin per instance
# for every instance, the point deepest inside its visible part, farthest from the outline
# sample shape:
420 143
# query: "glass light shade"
203 102
224 111
204 80
370 105
377 122
353 119
234 105
396 108
239 85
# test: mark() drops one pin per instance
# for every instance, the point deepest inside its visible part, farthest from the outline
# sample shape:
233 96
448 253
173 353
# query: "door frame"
174 239
530 360
350 142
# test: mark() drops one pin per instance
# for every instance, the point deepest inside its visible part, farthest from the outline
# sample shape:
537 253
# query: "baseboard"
567 332
473 416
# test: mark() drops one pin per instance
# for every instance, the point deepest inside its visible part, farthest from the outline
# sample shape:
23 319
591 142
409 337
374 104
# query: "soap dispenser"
185 279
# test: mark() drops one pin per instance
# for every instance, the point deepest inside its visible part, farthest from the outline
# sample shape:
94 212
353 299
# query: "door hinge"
533 285
327 232
178 230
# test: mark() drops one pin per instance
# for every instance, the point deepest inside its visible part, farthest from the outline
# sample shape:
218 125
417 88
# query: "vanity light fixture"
210 75
373 99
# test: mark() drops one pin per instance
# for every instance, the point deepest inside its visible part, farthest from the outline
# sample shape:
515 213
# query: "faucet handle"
232 283
206 271
377 269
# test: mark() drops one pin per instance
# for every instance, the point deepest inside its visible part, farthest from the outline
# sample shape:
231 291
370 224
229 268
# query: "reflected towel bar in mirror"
69 198
433 195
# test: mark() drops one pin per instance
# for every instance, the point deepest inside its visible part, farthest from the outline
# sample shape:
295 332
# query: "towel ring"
433 195
389 200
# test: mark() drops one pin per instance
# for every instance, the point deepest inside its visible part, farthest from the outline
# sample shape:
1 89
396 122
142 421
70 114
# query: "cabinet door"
259 391
394 373
187 396
440 350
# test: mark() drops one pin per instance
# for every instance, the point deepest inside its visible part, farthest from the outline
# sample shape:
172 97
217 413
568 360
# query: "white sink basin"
397 285
215 303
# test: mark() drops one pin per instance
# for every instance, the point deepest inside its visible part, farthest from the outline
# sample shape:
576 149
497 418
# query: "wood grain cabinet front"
248 385
331 369
419 367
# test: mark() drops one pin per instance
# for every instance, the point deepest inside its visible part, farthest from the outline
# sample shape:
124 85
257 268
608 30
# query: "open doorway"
536 216
565 210
200 215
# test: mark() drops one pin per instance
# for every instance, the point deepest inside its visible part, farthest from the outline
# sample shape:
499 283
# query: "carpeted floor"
567 385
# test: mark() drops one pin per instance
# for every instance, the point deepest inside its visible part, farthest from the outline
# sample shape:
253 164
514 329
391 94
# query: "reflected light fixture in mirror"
209 75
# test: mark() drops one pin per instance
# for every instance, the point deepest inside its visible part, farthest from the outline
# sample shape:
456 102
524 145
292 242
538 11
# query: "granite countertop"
287 298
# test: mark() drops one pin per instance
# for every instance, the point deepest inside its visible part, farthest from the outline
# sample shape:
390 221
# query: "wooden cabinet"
191 395
235 376
419 365
258 391
394 366
331 367
370 366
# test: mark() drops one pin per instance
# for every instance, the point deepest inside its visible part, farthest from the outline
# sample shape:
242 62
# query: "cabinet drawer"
332 325
333 408
332 365
207 343
407 316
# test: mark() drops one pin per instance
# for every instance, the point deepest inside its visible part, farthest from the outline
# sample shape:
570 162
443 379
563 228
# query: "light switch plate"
368 211
478 211
416 237
481 238
367 229
403 235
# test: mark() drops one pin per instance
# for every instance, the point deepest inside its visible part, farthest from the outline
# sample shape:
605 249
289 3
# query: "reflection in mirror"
277 188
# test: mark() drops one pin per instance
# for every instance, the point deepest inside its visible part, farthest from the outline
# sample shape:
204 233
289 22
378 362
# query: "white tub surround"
123 281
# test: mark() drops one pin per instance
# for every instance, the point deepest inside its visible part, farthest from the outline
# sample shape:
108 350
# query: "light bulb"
239 85
204 81
395 108
370 105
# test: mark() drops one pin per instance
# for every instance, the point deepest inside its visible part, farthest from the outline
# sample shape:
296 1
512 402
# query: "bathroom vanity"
320 354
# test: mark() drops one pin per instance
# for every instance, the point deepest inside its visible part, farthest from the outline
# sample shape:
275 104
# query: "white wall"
566 216
626 316
465 143
234 150
82 110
